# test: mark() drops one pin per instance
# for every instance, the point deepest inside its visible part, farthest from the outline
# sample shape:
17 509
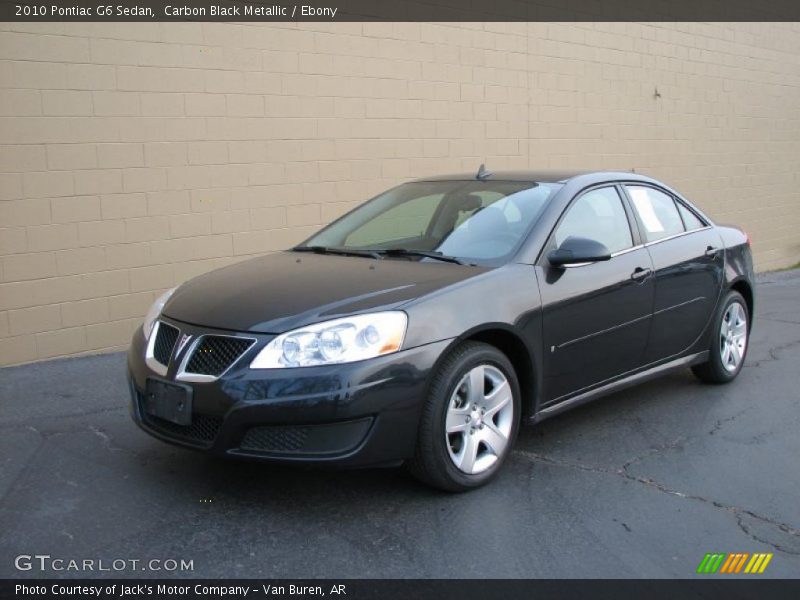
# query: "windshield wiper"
340 251
423 253
379 253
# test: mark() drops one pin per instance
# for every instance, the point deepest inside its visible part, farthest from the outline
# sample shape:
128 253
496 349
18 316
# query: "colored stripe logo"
734 563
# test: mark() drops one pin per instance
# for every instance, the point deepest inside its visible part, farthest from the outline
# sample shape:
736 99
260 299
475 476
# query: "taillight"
746 237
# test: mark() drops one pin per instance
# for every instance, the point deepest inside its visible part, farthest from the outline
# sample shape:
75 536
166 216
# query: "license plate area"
169 401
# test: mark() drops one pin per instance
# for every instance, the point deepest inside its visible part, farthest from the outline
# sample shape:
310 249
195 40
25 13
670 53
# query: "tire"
728 348
471 453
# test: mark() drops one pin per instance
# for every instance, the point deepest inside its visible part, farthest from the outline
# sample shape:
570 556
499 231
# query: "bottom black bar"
734 588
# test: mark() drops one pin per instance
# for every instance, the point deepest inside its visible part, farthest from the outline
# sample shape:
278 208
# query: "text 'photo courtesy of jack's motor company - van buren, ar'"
137 589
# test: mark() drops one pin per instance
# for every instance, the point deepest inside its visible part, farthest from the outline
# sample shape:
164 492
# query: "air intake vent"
215 354
321 439
164 343
275 439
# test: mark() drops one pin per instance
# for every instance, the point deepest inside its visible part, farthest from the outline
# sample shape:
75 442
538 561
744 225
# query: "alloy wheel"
733 336
480 414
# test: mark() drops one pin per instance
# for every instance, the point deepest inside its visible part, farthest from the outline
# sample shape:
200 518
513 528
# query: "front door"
596 316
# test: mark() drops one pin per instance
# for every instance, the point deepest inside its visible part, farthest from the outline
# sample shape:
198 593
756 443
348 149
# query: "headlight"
340 341
155 311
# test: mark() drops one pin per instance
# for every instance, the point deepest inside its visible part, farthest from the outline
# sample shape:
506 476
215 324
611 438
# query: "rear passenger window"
690 220
657 212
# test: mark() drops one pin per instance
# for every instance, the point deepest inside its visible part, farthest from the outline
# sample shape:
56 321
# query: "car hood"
278 292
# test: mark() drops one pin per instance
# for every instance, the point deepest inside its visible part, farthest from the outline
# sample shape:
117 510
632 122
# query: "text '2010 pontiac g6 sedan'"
425 325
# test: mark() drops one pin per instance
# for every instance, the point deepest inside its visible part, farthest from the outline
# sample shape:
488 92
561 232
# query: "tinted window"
407 220
657 212
498 225
467 219
600 216
690 220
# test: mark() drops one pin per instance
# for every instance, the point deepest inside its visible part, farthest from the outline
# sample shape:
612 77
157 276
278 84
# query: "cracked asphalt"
639 484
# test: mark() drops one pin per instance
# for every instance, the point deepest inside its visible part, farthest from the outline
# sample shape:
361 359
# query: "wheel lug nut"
480 426
468 419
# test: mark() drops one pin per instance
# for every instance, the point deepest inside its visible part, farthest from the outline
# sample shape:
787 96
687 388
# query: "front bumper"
357 414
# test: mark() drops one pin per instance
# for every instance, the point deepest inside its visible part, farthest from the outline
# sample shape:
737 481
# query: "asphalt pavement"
642 483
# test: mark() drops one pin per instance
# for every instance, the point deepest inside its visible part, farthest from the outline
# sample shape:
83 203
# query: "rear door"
688 258
596 316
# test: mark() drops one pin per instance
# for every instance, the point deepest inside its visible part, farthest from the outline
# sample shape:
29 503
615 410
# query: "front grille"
275 439
203 430
165 340
216 353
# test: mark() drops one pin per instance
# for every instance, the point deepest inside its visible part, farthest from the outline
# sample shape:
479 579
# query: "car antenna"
482 172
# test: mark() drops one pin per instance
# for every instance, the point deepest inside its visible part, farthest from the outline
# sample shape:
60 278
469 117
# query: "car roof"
539 176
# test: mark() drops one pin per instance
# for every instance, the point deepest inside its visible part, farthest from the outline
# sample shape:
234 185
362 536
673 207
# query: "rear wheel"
729 342
469 421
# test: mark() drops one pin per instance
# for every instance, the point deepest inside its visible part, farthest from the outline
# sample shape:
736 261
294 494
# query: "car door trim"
558 405
602 331
676 235
674 306
626 250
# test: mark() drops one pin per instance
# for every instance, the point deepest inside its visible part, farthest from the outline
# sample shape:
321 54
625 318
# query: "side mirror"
576 250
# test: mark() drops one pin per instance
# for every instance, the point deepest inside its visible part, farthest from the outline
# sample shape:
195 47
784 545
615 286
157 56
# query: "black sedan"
424 326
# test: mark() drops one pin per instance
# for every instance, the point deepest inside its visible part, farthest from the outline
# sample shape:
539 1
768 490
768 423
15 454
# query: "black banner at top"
399 10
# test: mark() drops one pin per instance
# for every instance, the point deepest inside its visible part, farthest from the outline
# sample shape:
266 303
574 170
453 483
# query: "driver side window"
597 215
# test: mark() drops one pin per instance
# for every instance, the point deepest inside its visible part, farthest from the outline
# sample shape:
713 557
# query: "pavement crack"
103 436
773 354
109 443
22 423
562 463
782 527
721 422
738 512
673 445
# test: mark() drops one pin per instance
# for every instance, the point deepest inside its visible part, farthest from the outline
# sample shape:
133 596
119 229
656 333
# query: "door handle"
640 274
712 251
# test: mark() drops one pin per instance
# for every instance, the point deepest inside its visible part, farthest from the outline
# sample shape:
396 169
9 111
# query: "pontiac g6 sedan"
425 325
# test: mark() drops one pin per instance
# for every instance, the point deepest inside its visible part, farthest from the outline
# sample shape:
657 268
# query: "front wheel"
469 421
729 342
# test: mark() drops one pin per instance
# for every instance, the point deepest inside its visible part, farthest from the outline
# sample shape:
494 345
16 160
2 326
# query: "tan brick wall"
134 156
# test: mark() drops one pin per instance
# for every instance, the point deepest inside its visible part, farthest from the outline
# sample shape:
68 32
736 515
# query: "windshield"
480 220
